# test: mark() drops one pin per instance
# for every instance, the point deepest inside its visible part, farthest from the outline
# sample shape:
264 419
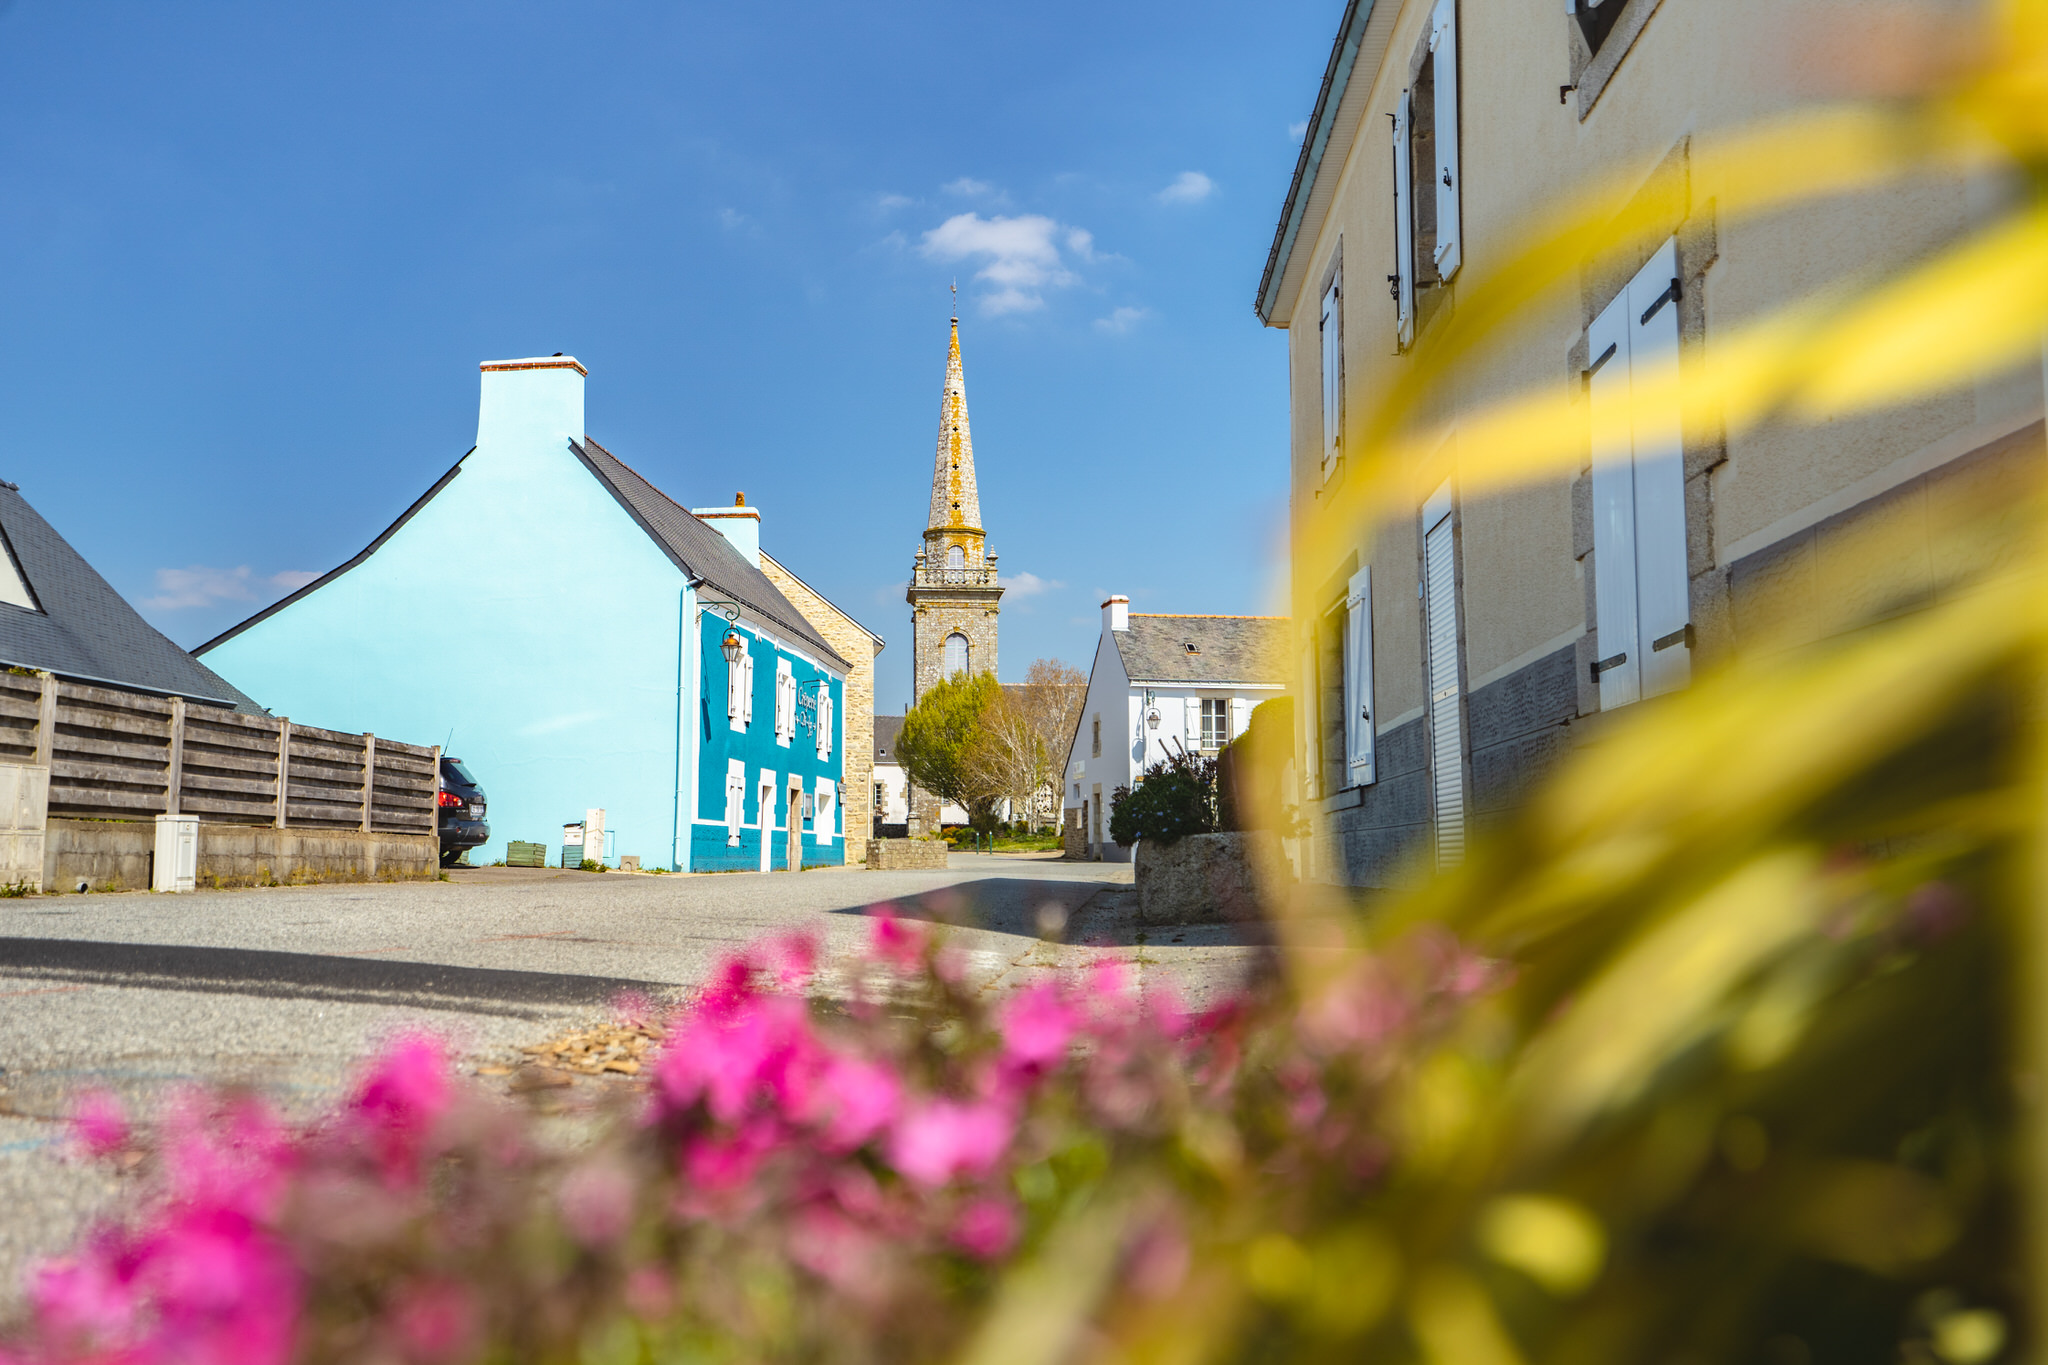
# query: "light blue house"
579 640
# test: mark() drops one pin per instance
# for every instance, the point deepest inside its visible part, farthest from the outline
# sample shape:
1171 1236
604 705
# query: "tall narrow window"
956 655
1428 177
956 557
1096 745
1446 721
1595 19
1333 374
1642 605
1215 722
735 800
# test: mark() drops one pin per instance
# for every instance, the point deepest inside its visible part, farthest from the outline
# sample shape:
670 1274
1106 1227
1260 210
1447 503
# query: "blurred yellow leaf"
1356 1271
1455 1321
1553 1241
1969 1337
1277 1268
1885 1219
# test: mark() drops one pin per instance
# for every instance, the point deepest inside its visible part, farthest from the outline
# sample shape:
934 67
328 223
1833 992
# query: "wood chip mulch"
607 1049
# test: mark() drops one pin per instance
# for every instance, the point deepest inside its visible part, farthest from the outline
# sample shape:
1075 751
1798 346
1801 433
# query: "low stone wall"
889 855
1205 878
1074 837
115 855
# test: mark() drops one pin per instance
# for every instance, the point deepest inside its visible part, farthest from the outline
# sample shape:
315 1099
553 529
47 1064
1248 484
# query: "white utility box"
176 867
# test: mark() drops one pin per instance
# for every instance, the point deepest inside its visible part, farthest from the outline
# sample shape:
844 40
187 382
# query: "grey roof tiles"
1225 649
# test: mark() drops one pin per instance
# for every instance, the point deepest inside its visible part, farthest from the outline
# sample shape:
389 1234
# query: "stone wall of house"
858 647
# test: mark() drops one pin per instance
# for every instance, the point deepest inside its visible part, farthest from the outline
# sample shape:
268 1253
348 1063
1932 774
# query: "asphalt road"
285 988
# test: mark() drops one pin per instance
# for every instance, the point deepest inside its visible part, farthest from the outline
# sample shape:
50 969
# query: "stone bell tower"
953 596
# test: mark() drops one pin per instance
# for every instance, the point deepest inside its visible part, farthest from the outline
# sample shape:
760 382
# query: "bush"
1175 798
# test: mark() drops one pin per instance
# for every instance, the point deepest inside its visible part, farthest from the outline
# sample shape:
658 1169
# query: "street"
286 988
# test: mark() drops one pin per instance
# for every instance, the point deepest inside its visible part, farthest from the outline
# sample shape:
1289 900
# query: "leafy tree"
938 741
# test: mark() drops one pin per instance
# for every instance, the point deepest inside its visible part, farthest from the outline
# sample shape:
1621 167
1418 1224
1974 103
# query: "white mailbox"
176 867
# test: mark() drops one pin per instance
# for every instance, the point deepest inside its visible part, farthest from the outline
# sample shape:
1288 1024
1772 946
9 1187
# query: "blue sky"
250 256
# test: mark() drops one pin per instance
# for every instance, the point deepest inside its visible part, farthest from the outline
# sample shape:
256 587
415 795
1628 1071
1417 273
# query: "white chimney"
738 523
531 403
1116 614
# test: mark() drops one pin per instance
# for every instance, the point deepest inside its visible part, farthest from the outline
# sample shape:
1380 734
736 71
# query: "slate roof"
693 547
85 630
697 549
886 730
1228 649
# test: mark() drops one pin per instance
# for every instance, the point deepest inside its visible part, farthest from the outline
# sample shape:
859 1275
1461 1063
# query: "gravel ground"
284 988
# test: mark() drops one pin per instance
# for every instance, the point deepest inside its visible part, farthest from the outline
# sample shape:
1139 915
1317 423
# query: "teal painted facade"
770 759
522 617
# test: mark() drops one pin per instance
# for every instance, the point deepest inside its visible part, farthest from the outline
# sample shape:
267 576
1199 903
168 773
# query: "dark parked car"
462 812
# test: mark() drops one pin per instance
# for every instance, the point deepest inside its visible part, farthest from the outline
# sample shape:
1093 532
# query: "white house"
1159 683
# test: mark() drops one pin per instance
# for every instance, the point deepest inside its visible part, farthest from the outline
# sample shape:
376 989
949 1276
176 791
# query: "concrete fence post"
46 723
369 777
284 766
174 771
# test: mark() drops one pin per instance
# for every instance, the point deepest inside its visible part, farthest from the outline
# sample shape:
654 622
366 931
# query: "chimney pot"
1116 613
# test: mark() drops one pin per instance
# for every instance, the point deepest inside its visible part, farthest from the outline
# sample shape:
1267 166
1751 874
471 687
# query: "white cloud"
1190 187
1297 131
1121 321
1022 255
200 586
1022 585
733 219
968 187
889 203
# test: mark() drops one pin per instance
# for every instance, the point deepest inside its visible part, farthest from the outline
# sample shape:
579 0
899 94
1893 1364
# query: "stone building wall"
858 646
939 613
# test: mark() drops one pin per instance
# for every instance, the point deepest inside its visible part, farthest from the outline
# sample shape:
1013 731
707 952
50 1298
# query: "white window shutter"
1358 722
735 692
735 799
1194 722
1404 228
1663 599
1443 42
1618 669
825 721
1333 374
1446 721
747 690
1240 716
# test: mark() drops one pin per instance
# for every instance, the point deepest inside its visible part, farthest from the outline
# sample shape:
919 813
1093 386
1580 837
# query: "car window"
453 767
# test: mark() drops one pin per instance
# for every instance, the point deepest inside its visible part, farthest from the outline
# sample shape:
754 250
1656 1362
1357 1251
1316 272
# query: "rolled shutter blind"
1619 662
1358 727
1443 41
1404 228
1663 602
1446 726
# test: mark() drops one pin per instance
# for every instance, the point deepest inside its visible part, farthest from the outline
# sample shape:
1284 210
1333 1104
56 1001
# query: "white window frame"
735 800
1359 732
825 720
785 703
1404 226
1641 591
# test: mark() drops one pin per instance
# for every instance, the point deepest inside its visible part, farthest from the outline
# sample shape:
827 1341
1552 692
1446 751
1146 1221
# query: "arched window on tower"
956 558
956 654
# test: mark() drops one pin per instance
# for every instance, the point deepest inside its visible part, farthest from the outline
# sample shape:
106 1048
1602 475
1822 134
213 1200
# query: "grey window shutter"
1663 601
1443 43
1333 374
1358 722
1446 723
1618 667
1404 228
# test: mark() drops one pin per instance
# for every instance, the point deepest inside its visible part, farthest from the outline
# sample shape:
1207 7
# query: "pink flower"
720 1164
893 941
851 1100
759 1048
1037 1023
98 1123
597 1203
90 1296
796 958
650 1292
437 1321
839 1251
986 1228
942 1139
403 1095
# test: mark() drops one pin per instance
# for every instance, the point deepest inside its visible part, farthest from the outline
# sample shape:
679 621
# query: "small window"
1215 723
1193 648
1595 19
956 655
1097 750
956 558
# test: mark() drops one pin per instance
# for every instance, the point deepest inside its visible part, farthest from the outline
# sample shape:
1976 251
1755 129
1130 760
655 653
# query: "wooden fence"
116 755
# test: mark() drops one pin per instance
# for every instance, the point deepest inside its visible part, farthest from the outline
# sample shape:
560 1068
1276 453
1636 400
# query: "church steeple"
954 592
956 502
